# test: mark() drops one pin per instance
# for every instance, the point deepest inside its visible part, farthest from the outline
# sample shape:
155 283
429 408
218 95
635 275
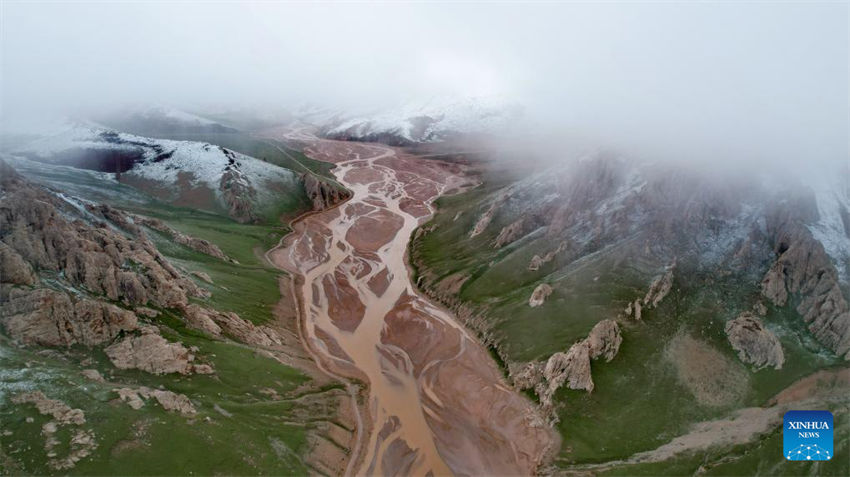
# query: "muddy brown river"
437 402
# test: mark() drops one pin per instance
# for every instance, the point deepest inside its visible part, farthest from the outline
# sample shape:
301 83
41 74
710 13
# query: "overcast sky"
762 79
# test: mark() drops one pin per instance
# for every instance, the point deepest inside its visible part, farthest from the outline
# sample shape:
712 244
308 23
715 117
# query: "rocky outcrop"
803 269
114 216
39 227
754 343
51 318
604 340
217 323
323 194
509 233
14 269
659 288
571 368
203 276
485 218
539 295
199 245
170 401
58 410
81 443
93 375
634 310
537 261
237 192
154 354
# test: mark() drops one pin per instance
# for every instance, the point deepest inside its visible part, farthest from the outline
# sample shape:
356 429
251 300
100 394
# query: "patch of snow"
833 200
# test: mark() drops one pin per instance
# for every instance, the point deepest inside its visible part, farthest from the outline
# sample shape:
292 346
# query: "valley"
426 309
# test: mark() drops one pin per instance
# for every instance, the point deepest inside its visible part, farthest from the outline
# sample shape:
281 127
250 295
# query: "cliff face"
803 270
322 193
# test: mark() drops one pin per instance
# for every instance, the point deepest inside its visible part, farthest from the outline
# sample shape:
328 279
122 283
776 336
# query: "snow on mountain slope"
429 121
239 183
833 226
161 120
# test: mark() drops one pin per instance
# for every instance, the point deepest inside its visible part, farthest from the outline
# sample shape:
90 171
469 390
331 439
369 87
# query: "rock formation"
537 261
571 368
539 295
803 269
237 192
169 401
509 233
754 343
659 288
217 323
154 354
38 227
61 412
323 194
81 443
485 218
50 318
199 245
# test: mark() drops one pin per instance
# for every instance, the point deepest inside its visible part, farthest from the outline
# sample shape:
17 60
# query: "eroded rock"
170 401
152 353
50 318
754 343
199 245
571 368
217 323
539 295
804 269
323 194
509 233
58 410
14 269
659 288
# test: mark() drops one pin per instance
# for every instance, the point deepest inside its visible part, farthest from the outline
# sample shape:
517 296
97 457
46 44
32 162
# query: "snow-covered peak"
421 121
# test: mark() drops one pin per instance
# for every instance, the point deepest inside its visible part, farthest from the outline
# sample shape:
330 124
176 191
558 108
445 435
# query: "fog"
723 81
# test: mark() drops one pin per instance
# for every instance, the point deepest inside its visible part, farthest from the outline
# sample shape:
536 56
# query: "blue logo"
807 435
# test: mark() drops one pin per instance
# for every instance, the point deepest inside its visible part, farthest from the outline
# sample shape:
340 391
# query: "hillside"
706 292
183 173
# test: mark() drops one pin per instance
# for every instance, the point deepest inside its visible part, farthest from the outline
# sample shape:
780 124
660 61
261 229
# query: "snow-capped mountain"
415 122
182 172
161 120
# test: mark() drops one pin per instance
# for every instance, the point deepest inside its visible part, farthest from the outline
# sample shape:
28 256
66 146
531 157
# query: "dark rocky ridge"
323 194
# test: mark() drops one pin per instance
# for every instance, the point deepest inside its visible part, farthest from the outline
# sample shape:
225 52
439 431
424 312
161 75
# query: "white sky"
740 80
